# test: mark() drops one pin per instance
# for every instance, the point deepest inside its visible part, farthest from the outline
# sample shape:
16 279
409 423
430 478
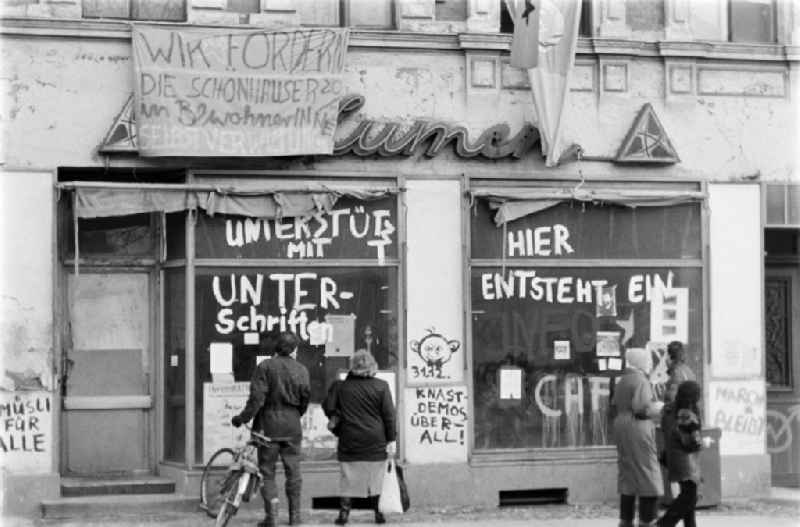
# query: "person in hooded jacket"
639 473
681 426
678 370
363 416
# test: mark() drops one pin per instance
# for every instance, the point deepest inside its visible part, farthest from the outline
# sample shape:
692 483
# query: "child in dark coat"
682 441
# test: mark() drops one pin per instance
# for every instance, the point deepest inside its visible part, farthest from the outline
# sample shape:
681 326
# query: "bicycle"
223 489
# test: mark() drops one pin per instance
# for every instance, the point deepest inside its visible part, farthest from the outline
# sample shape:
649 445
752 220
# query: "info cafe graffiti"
499 310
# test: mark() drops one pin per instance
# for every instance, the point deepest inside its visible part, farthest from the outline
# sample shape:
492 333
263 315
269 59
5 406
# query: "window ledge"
376 38
545 456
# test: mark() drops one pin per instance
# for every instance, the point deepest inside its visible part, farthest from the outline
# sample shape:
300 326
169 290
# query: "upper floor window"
163 10
751 21
584 28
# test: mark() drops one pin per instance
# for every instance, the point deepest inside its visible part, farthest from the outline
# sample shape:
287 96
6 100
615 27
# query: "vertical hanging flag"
555 39
525 43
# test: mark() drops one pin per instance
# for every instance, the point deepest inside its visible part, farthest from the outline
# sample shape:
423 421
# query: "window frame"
773 23
190 263
478 457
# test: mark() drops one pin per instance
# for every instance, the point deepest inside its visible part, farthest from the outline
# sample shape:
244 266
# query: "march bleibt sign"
224 92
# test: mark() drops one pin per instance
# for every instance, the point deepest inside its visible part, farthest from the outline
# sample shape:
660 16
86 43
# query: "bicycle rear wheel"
227 508
216 480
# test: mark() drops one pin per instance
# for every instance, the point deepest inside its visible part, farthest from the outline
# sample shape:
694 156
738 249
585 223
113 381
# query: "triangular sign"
121 137
647 141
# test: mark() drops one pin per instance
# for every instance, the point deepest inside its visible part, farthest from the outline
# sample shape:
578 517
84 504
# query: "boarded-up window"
171 10
752 21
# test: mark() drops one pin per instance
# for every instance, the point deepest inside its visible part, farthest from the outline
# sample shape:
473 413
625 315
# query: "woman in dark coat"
362 409
635 435
682 444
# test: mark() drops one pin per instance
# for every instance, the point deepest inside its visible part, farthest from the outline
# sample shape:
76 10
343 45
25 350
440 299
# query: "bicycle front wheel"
216 480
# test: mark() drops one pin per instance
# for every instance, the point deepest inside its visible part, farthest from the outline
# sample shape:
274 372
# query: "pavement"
780 508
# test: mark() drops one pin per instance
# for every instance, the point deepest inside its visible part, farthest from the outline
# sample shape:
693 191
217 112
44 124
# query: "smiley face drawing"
434 349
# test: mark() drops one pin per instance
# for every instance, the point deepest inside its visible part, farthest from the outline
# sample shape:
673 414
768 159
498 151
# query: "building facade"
497 294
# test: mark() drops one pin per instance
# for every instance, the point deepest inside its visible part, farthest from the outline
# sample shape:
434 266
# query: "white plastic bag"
390 501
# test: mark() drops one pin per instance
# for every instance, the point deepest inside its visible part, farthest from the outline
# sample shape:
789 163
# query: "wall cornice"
417 41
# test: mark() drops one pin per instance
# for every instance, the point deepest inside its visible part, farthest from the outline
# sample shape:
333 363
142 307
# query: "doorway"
782 347
108 392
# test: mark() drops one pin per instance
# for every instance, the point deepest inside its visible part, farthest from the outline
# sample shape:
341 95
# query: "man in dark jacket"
279 394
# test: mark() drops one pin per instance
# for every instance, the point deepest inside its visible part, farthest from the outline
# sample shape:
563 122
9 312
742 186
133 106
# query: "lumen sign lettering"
206 91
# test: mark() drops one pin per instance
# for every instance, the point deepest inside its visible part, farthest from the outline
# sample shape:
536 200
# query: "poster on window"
243 92
221 401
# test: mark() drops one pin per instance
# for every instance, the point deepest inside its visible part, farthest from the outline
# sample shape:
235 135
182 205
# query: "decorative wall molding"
615 76
679 79
359 38
583 77
722 81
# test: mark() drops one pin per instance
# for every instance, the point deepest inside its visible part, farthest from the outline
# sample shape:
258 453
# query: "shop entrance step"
86 486
140 505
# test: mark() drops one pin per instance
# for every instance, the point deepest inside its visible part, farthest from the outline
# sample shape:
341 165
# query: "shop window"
329 308
162 10
558 327
174 365
332 279
752 20
585 24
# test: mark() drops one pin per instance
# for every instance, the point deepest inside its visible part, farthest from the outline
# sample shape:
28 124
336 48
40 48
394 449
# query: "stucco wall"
26 281
29 434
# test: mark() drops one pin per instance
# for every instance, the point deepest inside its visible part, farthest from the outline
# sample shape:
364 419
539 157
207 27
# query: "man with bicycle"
279 395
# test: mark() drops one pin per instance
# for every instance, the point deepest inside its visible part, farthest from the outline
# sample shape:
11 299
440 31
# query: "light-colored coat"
635 435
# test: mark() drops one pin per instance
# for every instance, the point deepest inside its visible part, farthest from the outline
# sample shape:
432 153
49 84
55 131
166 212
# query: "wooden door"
108 398
782 339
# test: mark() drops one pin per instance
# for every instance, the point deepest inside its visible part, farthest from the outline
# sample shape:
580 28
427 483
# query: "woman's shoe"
379 517
344 511
344 515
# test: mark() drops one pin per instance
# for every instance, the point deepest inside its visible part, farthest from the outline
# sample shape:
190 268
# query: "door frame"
787 396
149 268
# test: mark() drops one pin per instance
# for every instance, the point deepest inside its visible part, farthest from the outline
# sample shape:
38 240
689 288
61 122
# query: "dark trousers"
647 508
289 452
682 507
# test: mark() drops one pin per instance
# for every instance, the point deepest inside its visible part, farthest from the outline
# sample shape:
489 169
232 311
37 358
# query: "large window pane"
174 364
518 316
329 308
354 229
574 230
